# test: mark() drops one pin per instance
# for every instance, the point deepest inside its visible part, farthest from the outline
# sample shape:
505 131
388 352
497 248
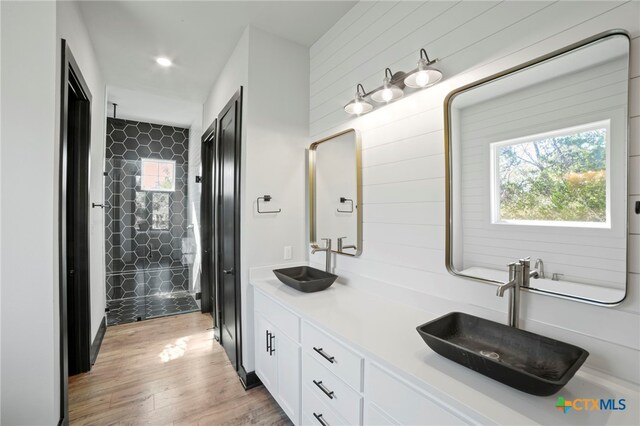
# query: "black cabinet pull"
326 356
324 389
268 342
320 420
272 348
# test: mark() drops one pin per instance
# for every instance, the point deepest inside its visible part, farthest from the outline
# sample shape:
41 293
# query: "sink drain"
490 354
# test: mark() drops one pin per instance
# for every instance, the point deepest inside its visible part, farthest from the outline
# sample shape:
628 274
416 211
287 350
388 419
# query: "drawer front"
335 393
373 416
403 403
316 412
279 316
335 356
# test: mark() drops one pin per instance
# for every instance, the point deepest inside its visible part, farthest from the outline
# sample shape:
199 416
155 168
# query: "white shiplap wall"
403 160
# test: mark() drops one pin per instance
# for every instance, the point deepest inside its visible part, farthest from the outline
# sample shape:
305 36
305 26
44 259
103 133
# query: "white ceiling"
198 36
149 108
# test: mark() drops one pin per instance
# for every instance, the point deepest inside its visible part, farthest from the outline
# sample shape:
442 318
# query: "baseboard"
97 342
249 380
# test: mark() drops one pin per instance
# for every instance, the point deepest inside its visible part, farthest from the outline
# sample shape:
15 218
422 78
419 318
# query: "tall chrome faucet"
327 250
515 280
520 274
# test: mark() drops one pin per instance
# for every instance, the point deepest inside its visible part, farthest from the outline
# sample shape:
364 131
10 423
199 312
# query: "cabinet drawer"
373 416
403 403
335 356
313 406
335 393
280 317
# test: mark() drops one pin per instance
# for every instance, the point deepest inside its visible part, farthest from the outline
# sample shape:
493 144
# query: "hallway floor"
166 371
134 309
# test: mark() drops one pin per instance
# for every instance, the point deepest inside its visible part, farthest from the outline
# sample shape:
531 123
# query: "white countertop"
386 333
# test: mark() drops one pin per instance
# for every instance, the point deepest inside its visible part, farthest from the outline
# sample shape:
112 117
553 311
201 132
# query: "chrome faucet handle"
327 242
538 271
340 243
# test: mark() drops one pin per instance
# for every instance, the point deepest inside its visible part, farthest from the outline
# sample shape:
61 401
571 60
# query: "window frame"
159 161
494 170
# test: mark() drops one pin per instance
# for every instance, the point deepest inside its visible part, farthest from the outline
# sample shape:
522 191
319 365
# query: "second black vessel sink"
526 361
305 278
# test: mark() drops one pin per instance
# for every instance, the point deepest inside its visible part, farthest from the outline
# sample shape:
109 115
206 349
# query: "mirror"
537 167
335 192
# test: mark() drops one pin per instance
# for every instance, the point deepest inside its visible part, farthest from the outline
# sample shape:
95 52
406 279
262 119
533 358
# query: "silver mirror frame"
449 167
313 239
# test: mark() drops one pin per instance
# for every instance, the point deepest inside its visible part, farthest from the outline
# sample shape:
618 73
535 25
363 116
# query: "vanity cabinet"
390 398
320 380
277 355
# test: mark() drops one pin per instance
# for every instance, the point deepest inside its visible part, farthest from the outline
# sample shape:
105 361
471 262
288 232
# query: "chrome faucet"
327 250
342 247
516 270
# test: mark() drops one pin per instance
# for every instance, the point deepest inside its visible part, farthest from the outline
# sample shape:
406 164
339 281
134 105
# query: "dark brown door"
229 229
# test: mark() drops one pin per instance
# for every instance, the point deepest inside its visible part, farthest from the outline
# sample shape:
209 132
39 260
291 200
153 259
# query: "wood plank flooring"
166 371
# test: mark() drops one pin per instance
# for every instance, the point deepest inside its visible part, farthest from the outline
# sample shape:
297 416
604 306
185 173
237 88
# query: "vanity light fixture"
425 75
358 105
389 91
395 86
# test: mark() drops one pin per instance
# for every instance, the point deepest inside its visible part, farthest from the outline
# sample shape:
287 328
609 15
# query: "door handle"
268 342
324 389
228 271
272 349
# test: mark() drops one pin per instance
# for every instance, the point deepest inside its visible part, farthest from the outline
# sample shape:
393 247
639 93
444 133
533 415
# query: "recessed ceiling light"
164 62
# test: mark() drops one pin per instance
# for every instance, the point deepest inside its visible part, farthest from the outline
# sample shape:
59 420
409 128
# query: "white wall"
274 73
403 160
30 361
70 27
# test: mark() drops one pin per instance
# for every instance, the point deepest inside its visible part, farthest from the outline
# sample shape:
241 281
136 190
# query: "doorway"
229 136
75 145
208 180
221 158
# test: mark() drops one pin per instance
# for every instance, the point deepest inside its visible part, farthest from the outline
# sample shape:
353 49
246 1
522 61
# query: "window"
558 178
158 175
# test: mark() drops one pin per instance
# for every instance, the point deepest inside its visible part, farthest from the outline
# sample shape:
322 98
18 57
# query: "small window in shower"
160 211
158 175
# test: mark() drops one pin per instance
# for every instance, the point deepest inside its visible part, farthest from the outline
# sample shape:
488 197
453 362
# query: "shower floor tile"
123 311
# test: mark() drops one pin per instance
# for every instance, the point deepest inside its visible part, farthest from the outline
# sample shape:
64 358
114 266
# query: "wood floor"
166 371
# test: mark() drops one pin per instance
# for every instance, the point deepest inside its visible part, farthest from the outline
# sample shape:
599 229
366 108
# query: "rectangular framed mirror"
536 166
335 192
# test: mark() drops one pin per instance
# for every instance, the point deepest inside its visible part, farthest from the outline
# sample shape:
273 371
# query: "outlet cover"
287 253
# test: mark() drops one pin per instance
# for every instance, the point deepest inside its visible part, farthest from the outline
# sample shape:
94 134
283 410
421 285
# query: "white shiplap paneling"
403 185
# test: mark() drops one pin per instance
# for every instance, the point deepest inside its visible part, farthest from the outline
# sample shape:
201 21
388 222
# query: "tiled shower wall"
140 258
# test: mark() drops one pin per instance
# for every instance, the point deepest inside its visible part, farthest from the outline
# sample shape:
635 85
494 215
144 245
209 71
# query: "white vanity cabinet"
277 354
320 380
391 400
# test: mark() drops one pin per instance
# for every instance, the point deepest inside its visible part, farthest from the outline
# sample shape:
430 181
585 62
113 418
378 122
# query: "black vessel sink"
526 361
305 278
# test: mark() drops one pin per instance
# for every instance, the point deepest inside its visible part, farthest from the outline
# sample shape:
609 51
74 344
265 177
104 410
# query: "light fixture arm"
423 55
388 73
360 90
